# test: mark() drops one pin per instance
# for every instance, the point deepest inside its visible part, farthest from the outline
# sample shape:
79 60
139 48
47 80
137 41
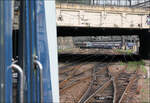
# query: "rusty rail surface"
102 81
99 90
73 84
92 90
132 80
127 89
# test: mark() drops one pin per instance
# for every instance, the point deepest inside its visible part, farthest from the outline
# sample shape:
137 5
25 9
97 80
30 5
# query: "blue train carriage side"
100 44
31 52
130 45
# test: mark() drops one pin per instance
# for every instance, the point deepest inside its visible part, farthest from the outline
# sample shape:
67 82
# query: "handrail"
37 63
20 71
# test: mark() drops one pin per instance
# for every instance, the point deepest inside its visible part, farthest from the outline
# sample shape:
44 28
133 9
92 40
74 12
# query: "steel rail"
74 83
82 99
73 73
114 83
79 60
103 87
100 89
127 89
129 85
89 60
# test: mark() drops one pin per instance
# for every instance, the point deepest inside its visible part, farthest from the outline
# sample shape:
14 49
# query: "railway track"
119 89
101 79
97 82
97 85
73 71
121 82
130 89
76 78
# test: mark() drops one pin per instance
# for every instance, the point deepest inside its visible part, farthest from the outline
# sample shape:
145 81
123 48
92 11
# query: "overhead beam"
98 31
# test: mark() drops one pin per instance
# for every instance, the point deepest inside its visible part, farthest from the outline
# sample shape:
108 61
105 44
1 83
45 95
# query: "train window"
15 43
16 16
15 46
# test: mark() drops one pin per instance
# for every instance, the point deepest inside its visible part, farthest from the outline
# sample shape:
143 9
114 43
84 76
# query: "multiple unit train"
104 43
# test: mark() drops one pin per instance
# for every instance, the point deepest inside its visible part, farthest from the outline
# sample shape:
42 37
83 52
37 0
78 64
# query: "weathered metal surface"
5 51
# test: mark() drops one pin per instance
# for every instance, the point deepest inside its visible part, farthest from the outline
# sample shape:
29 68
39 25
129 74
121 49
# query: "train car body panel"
5 51
39 36
33 49
50 12
43 50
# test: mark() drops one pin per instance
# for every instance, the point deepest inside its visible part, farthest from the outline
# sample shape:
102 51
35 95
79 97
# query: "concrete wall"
96 16
65 43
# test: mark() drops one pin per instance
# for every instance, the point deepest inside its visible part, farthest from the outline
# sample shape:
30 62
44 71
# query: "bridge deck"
98 16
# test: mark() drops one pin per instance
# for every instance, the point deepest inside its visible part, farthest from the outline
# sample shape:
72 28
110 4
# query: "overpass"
98 16
95 20
87 20
98 20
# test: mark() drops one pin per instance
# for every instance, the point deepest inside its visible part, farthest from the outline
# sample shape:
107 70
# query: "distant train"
106 42
104 45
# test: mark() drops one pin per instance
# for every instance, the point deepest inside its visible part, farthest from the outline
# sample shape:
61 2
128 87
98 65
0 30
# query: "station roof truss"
145 4
124 3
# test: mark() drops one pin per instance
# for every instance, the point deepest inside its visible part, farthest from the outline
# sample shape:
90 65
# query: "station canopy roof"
125 3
